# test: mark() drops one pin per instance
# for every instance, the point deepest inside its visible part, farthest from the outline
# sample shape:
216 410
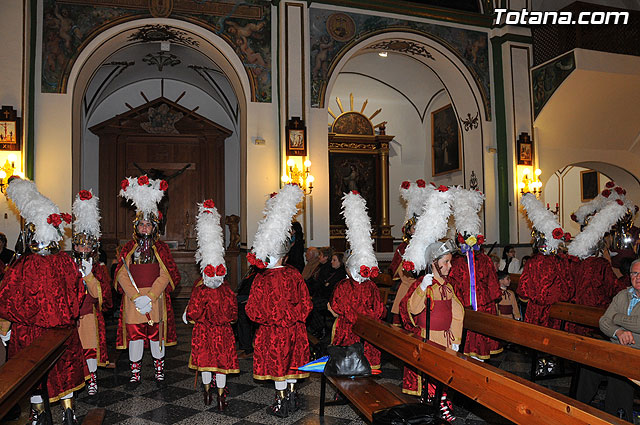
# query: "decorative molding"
154 33
403 46
161 59
352 146
470 123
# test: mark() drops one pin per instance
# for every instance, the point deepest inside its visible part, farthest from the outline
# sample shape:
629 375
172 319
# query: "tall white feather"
432 225
543 219
466 206
597 203
144 197
273 229
210 238
86 216
583 244
358 233
35 208
414 198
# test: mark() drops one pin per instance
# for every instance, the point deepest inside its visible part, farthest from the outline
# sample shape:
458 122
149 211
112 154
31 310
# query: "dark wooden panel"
94 417
514 398
366 394
580 314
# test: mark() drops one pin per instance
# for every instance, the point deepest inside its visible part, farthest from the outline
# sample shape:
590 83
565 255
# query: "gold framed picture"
9 129
446 143
589 185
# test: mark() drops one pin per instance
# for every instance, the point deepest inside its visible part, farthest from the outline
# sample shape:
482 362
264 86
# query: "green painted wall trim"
501 139
29 148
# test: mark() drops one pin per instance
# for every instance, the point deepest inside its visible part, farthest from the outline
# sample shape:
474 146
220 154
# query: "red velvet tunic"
487 294
594 285
545 280
39 293
396 262
279 301
350 299
213 346
165 259
104 303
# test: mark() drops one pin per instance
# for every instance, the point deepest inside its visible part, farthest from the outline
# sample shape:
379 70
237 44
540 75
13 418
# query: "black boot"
68 417
39 416
280 407
295 402
222 399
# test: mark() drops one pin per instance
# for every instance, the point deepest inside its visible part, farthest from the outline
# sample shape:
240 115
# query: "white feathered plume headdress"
415 195
545 222
362 263
86 224
145 194
38 210
210 253
271 240
466 206
611 193
432 225
583 244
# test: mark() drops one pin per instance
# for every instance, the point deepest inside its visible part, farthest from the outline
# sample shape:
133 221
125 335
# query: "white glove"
427 280
143 304
5 338
184 317
455 347
86 267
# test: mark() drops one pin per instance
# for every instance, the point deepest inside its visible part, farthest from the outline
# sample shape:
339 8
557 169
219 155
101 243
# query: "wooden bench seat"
365 394
94 417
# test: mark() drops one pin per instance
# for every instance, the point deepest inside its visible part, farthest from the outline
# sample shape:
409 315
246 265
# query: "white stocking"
206 378
136 349
291 381
70 395
157 351
221 380
281 385
35 399
92 364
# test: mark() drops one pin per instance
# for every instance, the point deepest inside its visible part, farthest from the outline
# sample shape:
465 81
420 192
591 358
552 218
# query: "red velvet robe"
350 299
411 381
164 257
487 295
213 346
396 262
545 280
103 304
279 301
594 284
39 293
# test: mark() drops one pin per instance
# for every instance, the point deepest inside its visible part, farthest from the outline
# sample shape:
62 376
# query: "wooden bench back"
580 314
514 398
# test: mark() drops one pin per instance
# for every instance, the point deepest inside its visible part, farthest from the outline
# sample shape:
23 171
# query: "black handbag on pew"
408 414
347 361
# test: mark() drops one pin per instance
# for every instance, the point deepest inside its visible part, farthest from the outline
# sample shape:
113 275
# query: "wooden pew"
20 374
615 358
580 314
514 398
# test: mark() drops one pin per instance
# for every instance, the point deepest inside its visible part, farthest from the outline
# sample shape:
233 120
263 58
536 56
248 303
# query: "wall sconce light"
302 178
530 185
6 171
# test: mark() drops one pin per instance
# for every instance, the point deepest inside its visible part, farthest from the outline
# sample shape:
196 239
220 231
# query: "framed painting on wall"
446 146
9 129
296 137
524 149
589 185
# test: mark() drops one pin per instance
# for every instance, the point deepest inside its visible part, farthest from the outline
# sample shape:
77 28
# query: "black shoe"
68 417
280 408
295 401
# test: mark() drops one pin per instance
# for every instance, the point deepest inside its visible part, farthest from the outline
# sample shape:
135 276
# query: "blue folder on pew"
315 365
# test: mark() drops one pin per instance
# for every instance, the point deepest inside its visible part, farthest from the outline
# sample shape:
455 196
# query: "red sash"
87 305
145 274
505 310
440 318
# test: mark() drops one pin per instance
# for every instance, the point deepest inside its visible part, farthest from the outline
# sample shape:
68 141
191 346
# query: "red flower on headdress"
159 216
210 270
480 239
251 258
85 195
272 194
124 184
355 192
209 203
619 201
557 233
460 238
54 219
164 185
221 270
610 184
364 271
421 183
374 272
142 180
442 188
574 217
567 237
606 193
66 217
619 190
405 185
408 266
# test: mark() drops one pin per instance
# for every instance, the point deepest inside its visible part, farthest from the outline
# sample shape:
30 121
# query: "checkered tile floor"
179 399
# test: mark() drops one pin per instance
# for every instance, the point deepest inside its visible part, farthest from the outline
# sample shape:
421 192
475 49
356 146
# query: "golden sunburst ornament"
352 121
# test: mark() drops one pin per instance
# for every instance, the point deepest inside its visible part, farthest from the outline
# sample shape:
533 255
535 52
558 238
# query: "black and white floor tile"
179 399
